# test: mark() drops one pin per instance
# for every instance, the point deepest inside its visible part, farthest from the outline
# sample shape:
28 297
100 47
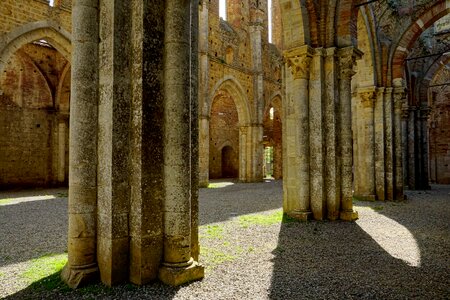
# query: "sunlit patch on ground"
393 237
11 201
221 184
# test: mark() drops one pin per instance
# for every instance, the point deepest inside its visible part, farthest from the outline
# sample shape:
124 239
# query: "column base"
349 215
300 215
176 276
77 276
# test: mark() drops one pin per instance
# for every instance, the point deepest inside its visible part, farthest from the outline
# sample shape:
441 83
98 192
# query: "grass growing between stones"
212 232
44 266
265 219
5 201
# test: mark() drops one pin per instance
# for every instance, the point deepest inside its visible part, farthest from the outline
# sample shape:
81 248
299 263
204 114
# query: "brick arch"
430 76
234 88
50 31
346 23
408 38
297 23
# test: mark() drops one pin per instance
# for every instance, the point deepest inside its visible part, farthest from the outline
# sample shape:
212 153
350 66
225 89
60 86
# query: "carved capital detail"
367 98
347 61
399 97
299 61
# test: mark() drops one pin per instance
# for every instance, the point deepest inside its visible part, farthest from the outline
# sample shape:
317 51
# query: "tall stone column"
347 60
405 117
113 205
332 168
389 143
366 146
257 150
178 264
82 264
296 134
424 144
203 94
399 95
380 175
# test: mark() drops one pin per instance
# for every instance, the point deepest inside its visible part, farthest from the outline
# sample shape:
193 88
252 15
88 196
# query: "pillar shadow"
338 260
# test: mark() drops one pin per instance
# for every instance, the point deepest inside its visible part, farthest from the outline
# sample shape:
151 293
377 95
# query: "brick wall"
440 138
224 133
14 13
30 135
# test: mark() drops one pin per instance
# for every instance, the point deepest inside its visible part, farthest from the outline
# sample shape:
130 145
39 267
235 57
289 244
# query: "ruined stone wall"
224 132
33 132
440 138
15 13
243 63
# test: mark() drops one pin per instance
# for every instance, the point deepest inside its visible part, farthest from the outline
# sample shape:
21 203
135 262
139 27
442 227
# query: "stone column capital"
425 112
399 97
405 113
367 96
347 60
298 60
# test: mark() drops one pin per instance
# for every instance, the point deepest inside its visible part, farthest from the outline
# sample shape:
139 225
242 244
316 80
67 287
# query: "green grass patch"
212 232
5 201
261 219
214 257
213 186
378 208
44 266
2 274
62 195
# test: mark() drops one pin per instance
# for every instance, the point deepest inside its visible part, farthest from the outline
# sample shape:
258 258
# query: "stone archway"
35 84
250 135
47 30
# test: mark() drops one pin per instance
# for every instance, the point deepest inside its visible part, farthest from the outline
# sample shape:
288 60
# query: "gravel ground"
397 250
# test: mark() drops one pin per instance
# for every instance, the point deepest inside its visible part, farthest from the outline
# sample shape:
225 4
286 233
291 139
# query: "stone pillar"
82 263
366 145
178 264
399 94
380 175
296 134
256 156
389 143
405 117
61 173
195 247
332 168
424 144
203 94
113 184
347 60
147 146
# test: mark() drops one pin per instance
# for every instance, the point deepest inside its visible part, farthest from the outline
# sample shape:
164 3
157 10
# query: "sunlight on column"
394 238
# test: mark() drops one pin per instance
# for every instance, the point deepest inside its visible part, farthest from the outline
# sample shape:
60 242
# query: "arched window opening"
223 9
51 3
271 113
269 13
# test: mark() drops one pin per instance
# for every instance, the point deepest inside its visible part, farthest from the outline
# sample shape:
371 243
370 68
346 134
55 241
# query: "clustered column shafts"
347 60
399 95
366 145
82 263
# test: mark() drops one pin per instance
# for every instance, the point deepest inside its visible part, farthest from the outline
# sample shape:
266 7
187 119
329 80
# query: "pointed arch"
295 19
234 88
400 50
46 30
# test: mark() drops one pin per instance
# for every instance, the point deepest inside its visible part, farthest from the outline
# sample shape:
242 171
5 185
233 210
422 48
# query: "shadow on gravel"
221 204
339 260
52 287
33 228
